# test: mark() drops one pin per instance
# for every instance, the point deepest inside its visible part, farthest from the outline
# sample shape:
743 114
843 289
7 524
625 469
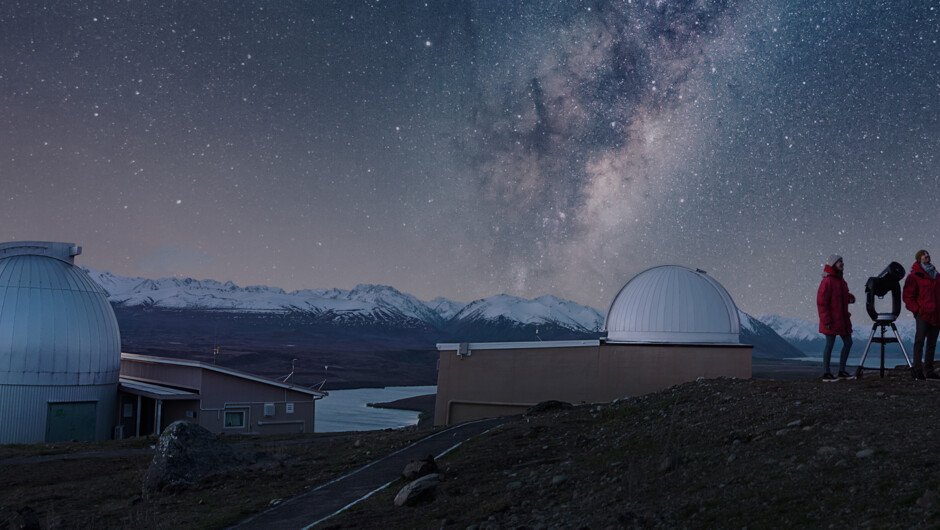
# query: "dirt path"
321 503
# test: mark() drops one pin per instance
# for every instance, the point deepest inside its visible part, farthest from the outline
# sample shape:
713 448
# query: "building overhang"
150 390
133 357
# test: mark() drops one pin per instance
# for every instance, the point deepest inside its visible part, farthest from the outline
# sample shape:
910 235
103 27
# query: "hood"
829 271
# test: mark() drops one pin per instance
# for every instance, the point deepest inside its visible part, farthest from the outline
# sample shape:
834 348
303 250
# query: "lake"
872 361
346 410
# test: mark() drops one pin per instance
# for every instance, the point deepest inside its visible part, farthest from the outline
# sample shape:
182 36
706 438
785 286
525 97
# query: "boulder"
185 454
24 518
417 490
419 468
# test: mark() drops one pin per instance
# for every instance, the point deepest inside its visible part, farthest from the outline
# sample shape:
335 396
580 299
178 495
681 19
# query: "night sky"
469 148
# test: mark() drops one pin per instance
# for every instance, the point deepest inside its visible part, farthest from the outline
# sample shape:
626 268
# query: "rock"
185 454
23 519
558 480
826 451
669 463
865 453
417 490
928 500
548 406
419 468
514 485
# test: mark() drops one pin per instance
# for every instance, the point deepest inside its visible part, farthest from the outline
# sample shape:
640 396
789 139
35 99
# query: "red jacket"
921 293
832 301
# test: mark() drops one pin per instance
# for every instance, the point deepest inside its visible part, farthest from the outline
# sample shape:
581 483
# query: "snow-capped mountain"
533 312
804 335
767 342
362 305
379 311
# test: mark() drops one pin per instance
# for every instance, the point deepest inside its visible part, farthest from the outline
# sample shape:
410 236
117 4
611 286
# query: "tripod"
883 340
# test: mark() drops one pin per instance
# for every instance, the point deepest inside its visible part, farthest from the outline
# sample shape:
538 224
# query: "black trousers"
928 333
843 357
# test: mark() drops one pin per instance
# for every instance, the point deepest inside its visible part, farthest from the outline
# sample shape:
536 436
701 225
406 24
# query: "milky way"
464 149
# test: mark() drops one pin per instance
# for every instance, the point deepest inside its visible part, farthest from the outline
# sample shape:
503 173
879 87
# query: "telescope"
888 281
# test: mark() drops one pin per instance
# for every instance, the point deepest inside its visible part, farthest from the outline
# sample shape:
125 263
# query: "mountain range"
805 335
253 327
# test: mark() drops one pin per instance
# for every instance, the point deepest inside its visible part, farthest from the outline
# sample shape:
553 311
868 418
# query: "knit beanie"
833 258
918 255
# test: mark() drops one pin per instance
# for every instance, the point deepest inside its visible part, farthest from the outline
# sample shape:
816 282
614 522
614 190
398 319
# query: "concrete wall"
508 380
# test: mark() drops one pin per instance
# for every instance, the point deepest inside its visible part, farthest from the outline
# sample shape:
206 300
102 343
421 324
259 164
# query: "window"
234 418
290 408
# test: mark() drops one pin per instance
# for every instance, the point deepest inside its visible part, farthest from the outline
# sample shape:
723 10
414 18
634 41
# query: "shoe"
845 375
828 378
918 374
931 375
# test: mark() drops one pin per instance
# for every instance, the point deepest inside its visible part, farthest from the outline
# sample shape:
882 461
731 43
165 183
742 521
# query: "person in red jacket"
921 297
832 301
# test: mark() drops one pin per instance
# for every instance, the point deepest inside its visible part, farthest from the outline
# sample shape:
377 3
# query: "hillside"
707 454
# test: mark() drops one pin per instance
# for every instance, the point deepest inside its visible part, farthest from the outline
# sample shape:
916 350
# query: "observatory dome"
672 304
59 341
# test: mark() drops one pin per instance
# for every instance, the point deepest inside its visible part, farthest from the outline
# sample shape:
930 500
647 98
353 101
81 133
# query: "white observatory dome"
673 304
59 344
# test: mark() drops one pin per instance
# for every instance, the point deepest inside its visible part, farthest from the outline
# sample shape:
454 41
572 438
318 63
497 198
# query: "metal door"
71 421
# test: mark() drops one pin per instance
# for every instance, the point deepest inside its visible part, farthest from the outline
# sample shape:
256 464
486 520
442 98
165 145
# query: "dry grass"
98 485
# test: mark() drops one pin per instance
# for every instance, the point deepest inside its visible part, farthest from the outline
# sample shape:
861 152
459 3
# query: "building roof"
56 325
155 391
222 370
65 252
447 346
673 304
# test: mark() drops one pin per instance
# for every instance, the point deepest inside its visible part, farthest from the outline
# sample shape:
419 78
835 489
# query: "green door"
71 421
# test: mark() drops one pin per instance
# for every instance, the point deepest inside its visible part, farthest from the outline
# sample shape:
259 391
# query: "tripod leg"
901 344
861 363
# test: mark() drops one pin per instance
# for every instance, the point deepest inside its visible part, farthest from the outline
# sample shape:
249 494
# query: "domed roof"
672 304
56 325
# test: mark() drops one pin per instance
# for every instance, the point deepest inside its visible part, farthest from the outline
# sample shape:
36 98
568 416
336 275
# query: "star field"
469 148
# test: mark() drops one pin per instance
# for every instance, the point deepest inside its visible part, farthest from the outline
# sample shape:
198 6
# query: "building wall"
500 382
222 392
177 376
24 415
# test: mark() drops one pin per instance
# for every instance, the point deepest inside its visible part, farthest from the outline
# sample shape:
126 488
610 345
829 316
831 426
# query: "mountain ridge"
260 328
804 335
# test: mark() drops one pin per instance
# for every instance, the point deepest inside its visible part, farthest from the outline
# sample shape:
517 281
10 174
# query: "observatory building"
672 304
60 348
668 325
